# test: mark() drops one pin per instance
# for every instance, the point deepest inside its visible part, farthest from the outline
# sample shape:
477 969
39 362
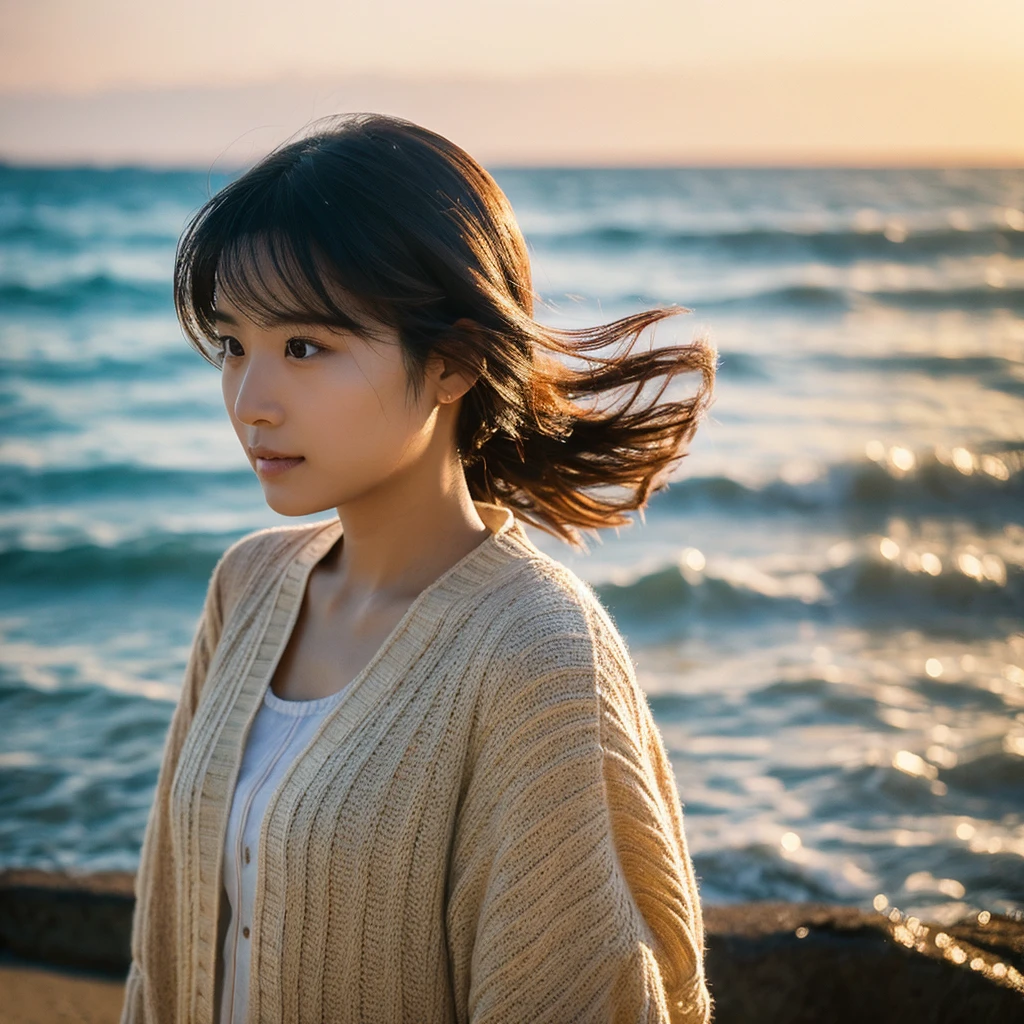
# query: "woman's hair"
372 218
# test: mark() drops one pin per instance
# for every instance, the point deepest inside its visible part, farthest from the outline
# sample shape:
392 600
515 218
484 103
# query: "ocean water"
826 608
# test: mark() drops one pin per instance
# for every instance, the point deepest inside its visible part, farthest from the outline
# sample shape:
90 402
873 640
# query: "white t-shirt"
279 734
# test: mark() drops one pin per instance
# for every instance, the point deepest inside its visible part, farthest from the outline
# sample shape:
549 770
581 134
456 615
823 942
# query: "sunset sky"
741 81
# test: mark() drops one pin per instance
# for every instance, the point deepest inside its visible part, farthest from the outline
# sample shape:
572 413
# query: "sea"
825 607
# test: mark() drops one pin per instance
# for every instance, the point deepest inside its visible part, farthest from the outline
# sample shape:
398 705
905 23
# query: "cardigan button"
247 855
245 931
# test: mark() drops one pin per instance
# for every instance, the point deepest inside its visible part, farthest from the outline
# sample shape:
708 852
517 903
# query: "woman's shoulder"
558 660
546 610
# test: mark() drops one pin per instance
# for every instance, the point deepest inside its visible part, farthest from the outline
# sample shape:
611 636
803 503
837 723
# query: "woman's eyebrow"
226 318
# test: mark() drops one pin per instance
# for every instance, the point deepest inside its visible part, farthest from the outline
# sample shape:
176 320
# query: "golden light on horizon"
734 81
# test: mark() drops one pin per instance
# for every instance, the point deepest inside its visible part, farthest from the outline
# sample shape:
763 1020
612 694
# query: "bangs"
263 253
274 280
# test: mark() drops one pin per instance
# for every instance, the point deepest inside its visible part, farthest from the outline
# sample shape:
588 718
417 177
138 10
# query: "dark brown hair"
420 236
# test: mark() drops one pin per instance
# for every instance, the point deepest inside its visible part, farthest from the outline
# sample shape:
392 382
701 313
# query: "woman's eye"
229 345
300 349
295 347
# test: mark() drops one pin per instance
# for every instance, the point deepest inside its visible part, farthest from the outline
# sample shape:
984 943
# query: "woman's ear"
451 377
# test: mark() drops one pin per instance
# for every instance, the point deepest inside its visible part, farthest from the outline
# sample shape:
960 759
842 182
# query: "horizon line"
907 162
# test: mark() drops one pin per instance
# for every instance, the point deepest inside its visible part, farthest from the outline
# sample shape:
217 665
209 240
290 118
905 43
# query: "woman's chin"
290 505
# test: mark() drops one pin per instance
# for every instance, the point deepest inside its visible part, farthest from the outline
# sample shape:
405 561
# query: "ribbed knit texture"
486 829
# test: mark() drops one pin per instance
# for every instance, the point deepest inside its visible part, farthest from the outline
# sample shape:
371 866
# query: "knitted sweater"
486 829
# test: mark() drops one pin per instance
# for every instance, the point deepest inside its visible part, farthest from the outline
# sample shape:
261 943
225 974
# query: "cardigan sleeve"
572 892
154 926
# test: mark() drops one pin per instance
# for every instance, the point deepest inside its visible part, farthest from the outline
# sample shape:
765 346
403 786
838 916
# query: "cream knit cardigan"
486 829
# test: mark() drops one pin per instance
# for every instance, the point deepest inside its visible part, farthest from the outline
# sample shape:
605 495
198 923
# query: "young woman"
411 776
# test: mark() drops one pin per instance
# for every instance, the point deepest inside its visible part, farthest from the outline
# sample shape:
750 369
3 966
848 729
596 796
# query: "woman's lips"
272 467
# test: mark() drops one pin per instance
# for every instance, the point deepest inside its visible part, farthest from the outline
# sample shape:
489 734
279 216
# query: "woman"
411 776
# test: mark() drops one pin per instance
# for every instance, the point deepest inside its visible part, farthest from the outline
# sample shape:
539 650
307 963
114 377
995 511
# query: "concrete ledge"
773 963
78 921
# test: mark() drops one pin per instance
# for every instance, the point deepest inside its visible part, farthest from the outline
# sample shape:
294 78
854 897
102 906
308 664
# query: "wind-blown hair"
372 218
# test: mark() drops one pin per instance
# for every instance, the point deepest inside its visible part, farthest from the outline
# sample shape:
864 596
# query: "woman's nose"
257 399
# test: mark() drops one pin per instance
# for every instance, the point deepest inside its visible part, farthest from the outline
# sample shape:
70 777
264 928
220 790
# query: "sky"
564 81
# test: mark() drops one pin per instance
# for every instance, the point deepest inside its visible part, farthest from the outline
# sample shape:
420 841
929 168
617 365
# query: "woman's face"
336 402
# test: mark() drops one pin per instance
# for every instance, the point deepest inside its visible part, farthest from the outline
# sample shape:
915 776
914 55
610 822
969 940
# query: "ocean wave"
758 871
797 297
825 298
868 588
980 297
992 774
25 486
161 558
811 700
74 294
37 237
853 698
996 373
777 243
987 487
161 364
921 787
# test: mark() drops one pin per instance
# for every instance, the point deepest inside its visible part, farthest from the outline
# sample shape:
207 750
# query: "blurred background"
826 608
